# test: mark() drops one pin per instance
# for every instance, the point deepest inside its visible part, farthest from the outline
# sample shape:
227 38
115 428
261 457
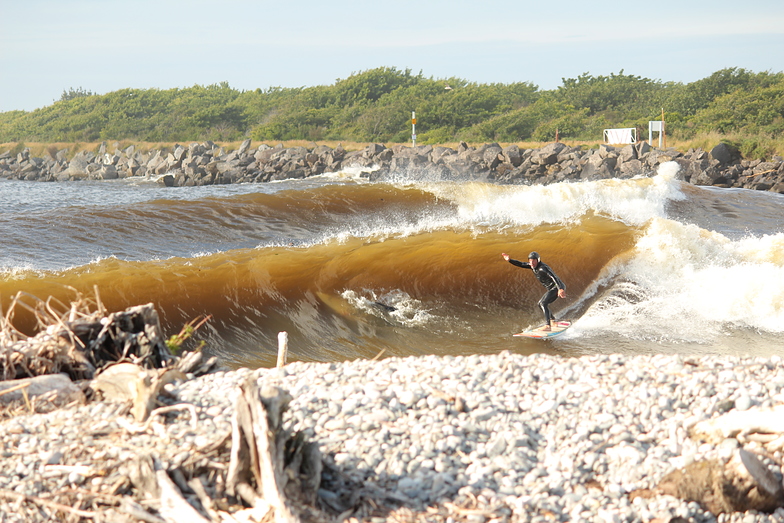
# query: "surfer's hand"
506 256
562 293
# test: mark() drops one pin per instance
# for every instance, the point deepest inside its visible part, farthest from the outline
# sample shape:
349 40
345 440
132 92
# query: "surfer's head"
533 259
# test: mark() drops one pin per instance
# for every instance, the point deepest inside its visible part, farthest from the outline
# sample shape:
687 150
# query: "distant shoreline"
41 149
208 163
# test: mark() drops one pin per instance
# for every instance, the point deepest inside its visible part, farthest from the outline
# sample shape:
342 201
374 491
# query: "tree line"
376 105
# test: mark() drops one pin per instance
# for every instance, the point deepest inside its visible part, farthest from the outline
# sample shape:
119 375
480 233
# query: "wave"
351 269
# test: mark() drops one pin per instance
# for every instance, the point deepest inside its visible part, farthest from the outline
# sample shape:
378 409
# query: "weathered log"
269 468
79 342
277 474
174 508
130 382
257 449
736 422
55 388
744 483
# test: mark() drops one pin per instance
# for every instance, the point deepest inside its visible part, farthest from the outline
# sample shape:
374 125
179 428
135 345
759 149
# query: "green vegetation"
733 104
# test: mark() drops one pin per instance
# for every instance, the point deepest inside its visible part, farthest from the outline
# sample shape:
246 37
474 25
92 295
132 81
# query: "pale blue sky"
48 46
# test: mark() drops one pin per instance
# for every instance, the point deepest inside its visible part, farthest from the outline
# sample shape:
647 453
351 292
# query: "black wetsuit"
546 277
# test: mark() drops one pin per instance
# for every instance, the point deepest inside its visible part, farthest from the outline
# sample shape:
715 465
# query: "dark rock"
373 149
244 147
725 153
710 175
548 154
179 152
631 168
77 168
108 172
206 163
627 153
595 171
513 155
439 152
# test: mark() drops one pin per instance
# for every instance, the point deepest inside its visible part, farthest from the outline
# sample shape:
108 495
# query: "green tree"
375 105
72 93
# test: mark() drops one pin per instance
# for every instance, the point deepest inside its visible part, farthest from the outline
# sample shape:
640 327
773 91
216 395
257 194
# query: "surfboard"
538 333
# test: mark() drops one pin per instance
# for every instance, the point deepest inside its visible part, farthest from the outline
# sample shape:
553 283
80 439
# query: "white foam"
480 205
683 283
407 310
632 201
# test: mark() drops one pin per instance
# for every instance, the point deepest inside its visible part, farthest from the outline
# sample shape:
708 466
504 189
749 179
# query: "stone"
548 154
78 166
725 153
244 147
108 172
512 155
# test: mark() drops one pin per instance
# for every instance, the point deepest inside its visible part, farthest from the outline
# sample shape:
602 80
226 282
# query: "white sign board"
617 136
655 126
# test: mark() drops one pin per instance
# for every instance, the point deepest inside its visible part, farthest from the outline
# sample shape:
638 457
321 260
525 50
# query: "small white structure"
656 126
617 136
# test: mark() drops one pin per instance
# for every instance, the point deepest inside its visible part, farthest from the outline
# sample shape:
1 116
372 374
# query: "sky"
50 46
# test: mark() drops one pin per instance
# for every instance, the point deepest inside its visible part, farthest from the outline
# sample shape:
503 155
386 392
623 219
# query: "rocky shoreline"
207 163
476 439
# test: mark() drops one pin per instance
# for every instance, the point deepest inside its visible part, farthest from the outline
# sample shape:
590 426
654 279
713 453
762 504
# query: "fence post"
283 348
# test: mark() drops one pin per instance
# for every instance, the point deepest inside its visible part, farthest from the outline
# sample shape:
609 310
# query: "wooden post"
413 128
283 348
663 137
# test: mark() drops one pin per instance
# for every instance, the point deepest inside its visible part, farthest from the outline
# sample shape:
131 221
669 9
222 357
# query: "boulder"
627 153
513 155
108 172
607 151
596 170
711 175
439 152
373 149
244 147
725 153
631 168
642 148
78 166
179 152
548 154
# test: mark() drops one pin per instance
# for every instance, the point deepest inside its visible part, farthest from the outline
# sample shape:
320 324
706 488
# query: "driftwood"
741 484
39 394
79 341
130 382
124 353
258 471
56 388
277 474
123 357
741 423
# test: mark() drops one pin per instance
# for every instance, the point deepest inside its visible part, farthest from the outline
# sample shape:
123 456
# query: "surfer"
546 276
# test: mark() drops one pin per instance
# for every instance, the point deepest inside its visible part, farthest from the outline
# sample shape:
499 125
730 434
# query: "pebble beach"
506 437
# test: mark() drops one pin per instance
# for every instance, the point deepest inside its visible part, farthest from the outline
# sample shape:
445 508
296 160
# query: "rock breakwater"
207 163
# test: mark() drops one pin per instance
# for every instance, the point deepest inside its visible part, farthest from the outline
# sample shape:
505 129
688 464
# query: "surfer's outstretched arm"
517 263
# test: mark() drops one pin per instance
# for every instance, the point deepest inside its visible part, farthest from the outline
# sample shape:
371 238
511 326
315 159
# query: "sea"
406 266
